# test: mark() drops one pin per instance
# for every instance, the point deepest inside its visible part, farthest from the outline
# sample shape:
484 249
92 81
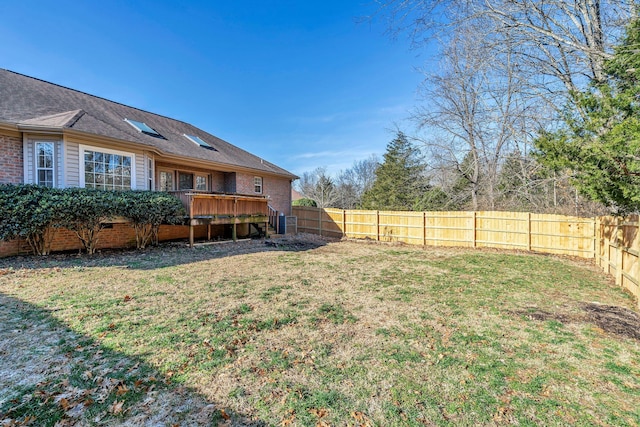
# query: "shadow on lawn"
50 375
167 254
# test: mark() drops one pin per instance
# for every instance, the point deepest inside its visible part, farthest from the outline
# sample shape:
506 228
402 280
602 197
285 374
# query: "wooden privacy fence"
554 234
618 250
614 243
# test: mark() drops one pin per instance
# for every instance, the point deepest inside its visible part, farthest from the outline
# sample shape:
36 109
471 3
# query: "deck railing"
200 204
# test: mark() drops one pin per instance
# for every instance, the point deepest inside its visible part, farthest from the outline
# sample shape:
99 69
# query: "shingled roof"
27 102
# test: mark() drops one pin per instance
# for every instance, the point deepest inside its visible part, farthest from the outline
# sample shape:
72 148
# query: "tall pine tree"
400 179
602 147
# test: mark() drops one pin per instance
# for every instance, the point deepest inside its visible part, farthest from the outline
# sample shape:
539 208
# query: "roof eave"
52 130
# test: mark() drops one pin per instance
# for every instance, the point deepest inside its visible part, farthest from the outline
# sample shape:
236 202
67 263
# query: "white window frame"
150 173
36 162
82 171
257 183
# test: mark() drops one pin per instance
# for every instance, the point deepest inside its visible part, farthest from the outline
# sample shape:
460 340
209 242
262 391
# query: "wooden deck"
205 208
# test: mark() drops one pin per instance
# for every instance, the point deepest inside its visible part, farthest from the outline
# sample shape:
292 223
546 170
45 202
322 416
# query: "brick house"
56 136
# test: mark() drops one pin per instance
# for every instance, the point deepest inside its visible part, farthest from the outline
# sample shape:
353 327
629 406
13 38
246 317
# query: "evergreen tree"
602 146
400 179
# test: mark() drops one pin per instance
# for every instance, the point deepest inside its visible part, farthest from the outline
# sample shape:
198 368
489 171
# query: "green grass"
349 334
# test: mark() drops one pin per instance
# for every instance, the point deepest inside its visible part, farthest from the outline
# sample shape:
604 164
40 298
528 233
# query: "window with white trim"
45 159
150 173
257 184
106 169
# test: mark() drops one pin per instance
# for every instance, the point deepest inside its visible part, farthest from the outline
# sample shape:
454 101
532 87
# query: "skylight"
142 127
199 141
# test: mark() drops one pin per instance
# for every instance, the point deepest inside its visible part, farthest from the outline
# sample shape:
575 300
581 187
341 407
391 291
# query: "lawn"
315 333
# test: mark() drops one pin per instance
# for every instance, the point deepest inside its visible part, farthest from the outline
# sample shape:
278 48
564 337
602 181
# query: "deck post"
234 230
191 231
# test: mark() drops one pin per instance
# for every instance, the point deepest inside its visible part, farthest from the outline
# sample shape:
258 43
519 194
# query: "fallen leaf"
122 389
224 414
64 403
127 298
28 419
322 412
116 407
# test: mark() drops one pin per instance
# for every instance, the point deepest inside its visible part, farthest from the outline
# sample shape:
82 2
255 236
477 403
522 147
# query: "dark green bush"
310 203
34 213
86 211
29 212
147 210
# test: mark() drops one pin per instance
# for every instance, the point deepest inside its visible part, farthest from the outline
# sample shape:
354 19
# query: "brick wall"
11 159
218 181
278 190
120 236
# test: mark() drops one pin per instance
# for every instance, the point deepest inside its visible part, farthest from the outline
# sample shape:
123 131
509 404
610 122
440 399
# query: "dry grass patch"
306 332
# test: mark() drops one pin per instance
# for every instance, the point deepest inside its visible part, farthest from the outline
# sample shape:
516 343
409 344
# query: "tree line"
529 105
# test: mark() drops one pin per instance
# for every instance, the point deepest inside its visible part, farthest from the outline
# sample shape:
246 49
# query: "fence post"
378 225
529 231
320 221
475 228
597 241
344 223
424 229
618 247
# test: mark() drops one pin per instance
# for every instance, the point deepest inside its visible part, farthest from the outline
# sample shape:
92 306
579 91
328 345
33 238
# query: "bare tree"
557 41
353 182
470 110
508 68
318 186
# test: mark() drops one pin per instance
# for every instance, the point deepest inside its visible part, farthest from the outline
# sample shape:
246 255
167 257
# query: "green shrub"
147 210
34 213
86 211
310 203
29 212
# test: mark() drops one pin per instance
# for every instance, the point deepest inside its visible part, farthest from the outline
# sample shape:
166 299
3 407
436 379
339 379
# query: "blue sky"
299 83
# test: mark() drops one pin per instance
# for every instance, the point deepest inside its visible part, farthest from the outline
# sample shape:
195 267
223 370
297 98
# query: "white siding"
72 164
140 171
29 157
61 179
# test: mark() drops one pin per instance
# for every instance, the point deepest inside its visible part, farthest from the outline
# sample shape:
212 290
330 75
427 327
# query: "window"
143 127
201 182
150 173
257 184
107 170
44 163
185 181
166 181
199 141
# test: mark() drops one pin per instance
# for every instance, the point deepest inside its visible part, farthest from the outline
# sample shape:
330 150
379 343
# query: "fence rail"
613 243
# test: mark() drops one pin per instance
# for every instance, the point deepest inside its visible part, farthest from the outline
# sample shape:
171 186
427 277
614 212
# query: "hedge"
35 212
